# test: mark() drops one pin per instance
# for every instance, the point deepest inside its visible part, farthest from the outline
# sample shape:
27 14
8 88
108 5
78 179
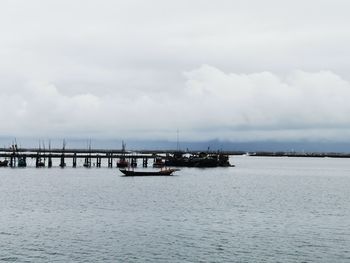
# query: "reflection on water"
263 210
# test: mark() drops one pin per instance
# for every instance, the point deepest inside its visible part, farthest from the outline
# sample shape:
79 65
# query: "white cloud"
116 69
210 104
264 101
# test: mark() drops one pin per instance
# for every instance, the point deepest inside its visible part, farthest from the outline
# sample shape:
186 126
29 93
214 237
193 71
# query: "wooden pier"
37 157
47 158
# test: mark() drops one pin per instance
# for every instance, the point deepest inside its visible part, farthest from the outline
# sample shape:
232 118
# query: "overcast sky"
230 70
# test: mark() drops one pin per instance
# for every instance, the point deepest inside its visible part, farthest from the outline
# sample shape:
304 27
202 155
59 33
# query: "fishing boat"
123 163
87 162
22 162
202 160
4 163
39 163
158 162
163 172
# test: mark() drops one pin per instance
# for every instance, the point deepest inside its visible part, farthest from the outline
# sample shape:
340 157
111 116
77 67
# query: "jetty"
39 157
61 157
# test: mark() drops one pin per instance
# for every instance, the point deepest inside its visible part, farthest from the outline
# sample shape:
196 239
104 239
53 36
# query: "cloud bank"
210 104
231 70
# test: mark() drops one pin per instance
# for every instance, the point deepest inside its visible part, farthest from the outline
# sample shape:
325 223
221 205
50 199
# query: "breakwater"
300 154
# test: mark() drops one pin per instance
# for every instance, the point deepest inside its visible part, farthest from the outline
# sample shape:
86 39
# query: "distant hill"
297 146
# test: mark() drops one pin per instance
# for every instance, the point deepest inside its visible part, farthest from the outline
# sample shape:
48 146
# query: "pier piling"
74 160
87 162
49 162
144 162
62 163
133 162
98 161
110 160
12 162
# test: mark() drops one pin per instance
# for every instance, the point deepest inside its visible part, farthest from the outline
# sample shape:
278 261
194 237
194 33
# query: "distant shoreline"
297 154
5 151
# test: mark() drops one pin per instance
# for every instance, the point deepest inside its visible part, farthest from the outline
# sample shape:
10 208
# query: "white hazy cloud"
211 104
236 70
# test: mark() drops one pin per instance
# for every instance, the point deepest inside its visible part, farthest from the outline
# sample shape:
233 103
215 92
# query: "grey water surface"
262 210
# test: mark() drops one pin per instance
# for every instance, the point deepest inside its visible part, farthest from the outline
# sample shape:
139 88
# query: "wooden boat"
4 163
164 172
122 163
22 162
40 164
202 160
158 162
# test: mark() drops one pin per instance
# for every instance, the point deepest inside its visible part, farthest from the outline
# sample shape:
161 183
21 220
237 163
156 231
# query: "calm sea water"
263 210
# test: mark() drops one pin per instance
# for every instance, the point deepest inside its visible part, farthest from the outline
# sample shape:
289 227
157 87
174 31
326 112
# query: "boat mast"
177 140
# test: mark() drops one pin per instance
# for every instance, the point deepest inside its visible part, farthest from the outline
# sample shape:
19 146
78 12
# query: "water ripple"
264 210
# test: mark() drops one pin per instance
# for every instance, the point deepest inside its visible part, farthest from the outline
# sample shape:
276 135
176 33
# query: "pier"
38 157
71 157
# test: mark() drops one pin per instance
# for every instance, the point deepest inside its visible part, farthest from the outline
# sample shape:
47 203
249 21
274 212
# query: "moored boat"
4 163
202 160
123 163
22 162
158 162
163 172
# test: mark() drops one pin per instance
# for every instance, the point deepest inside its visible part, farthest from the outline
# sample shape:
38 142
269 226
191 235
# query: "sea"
265 209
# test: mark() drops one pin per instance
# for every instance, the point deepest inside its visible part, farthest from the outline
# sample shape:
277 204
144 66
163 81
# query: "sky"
213 70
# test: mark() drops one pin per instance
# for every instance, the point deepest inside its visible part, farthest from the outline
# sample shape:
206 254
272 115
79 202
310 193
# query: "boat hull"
4 163
167 172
